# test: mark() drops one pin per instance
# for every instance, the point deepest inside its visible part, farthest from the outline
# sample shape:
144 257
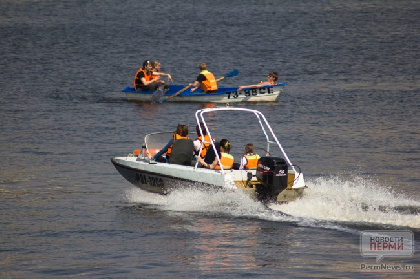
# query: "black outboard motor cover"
272 172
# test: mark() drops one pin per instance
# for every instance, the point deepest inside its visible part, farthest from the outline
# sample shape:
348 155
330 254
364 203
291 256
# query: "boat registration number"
250 92
150 180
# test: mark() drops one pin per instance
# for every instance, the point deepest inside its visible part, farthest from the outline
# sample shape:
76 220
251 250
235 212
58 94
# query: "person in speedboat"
250 159
203 141
226 159
205 80
181 132
148 80
272 78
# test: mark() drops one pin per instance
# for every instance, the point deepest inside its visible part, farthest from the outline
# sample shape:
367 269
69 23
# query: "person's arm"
143 80
163 75
209 166
163 150
197 83
249 86
261 84
213 165
194 86
200 160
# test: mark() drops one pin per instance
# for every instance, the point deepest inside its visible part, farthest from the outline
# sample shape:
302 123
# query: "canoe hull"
224 95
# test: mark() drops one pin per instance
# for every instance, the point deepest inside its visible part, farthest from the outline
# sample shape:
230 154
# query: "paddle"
157 95
235 72
174 95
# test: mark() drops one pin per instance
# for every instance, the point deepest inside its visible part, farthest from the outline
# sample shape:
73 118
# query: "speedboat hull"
162 178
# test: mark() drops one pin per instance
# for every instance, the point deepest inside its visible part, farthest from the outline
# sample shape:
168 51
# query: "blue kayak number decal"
250 92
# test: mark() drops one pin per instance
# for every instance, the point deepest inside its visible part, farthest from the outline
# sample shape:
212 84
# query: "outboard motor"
272 173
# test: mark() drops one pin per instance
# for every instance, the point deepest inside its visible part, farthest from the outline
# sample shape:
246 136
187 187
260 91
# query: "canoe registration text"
250 92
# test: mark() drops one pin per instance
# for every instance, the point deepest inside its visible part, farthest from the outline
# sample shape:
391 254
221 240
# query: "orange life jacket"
153 76
251 161
137 80
210 83
176 137
205 144
267 83
227 161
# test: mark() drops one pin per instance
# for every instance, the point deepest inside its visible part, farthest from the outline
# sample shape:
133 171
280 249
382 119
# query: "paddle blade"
235 72
157 95
160 102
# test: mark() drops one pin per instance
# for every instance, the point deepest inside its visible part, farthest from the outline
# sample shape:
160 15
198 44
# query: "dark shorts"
151 87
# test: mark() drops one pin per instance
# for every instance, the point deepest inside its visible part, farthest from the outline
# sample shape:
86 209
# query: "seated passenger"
156 73
272 78
211 155
181 132
250 160
225 158
203 142
148 80
182 152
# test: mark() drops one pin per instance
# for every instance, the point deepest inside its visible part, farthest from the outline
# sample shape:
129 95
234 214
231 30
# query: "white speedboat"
275 179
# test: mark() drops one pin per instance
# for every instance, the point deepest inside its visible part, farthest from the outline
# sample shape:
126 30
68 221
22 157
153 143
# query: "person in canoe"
205 80
157 73
272 78
226 159
148 80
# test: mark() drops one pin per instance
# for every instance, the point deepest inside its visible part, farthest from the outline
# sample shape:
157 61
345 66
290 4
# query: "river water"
349 118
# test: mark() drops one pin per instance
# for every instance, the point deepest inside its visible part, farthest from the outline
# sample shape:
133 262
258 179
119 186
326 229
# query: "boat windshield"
156 141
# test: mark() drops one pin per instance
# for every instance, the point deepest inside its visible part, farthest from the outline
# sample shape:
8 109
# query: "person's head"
203 66
147 64
156 65
273 75
249 148
225 146
203 129
182 130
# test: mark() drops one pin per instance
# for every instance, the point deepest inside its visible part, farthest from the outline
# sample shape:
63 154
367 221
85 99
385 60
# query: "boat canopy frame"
199 115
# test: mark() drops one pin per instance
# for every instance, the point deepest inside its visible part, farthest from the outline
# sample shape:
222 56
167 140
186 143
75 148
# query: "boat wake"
357 203
211 201
328 202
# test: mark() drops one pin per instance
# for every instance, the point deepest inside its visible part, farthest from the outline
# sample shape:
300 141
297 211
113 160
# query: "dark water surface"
349 118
